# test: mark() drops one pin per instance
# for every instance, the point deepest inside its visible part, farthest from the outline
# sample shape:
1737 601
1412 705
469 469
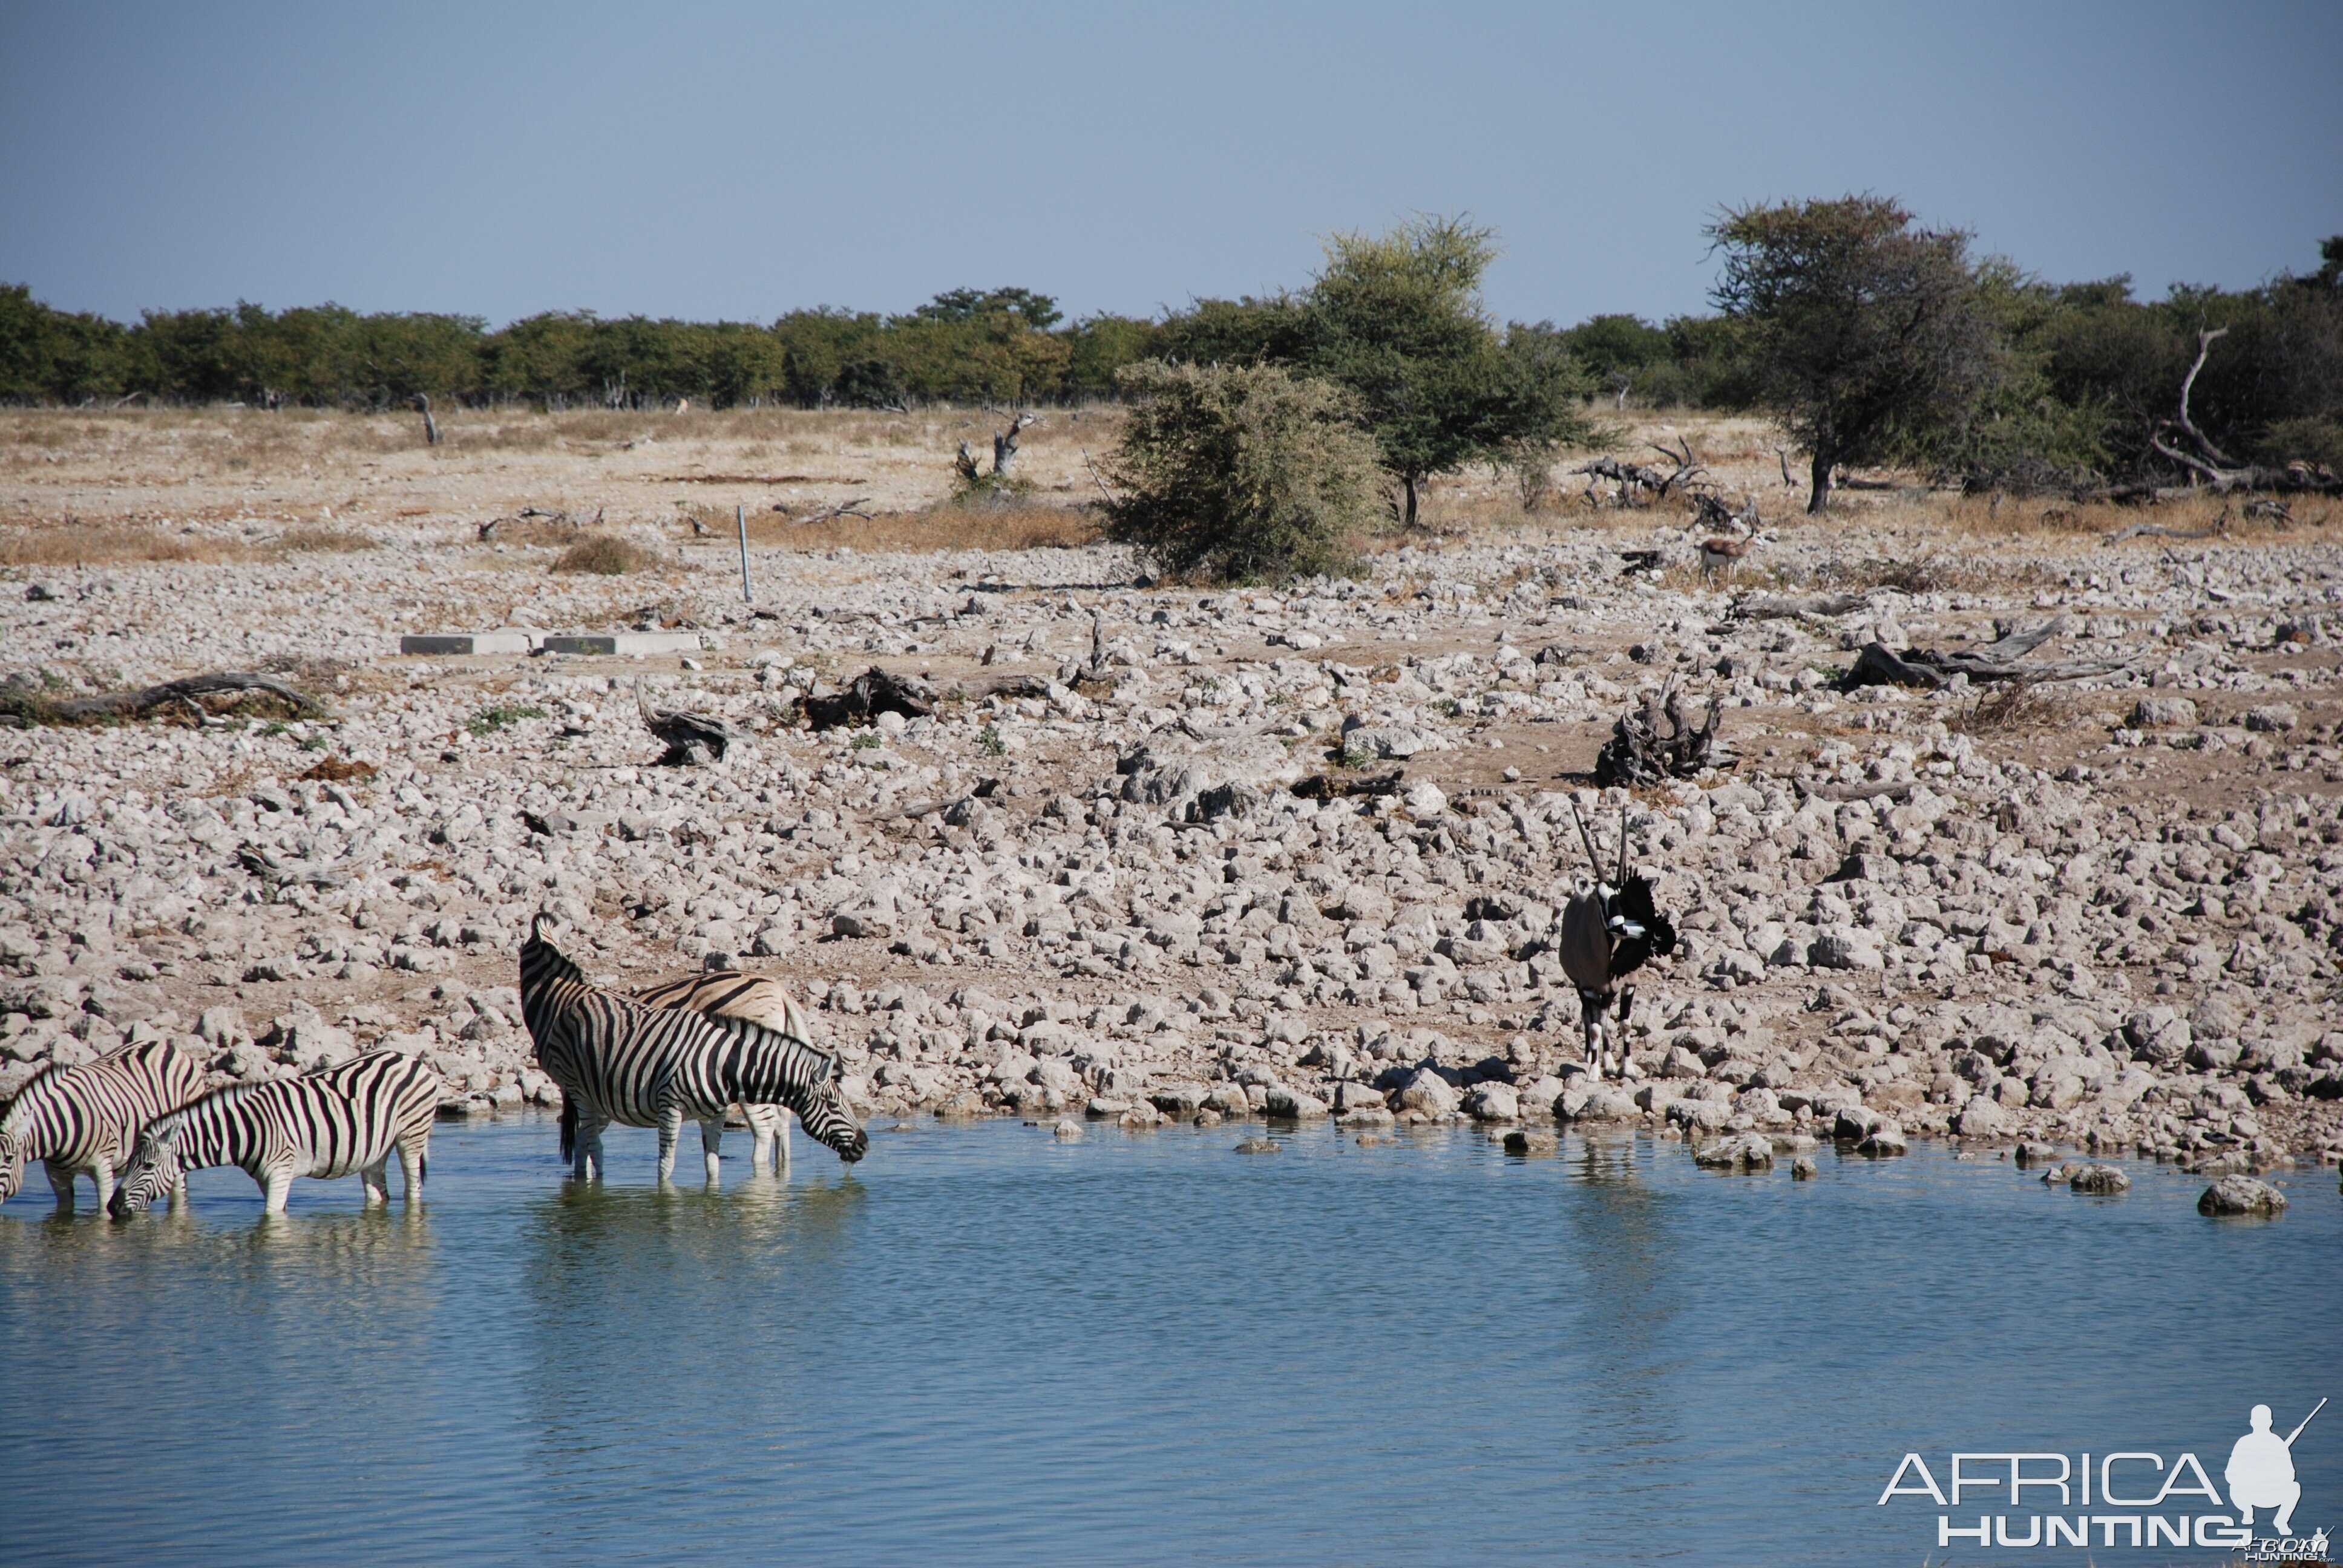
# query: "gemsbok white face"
154 1171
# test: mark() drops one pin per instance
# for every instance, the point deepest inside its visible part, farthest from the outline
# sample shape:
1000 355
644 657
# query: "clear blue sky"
739 161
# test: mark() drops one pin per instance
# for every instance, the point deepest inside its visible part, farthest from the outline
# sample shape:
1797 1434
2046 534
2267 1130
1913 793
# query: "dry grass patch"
74 545
605 555
325 540
945 528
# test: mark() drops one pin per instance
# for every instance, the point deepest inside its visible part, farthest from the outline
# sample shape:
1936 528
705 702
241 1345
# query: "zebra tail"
569 1127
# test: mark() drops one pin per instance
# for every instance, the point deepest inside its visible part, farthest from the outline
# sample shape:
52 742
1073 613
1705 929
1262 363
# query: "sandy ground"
2100 915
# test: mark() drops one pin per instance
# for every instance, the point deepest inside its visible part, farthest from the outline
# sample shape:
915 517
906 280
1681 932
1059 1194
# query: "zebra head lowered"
823 1111
154 1169
777 1068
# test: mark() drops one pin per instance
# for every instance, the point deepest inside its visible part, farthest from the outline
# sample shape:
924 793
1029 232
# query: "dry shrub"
945 528
336 771
604 555
2012 706
324 539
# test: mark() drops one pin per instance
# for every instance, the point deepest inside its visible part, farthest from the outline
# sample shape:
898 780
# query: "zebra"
619 1061
77 1120
729 993
323 1125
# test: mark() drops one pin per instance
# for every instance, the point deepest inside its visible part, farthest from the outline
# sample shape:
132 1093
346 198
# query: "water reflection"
1629 1254
992 1347
650 1309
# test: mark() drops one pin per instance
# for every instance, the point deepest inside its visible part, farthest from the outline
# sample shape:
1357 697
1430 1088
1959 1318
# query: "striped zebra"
80 1120
323 1125
729 993
619 1061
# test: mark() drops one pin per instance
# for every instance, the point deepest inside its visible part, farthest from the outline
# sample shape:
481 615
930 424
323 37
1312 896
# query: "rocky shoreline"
1180 882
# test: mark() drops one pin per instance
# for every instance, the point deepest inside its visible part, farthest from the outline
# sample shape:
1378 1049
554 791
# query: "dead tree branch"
1932 669
26 706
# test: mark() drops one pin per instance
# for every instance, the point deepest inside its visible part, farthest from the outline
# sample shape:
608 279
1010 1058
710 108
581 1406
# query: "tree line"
1870 338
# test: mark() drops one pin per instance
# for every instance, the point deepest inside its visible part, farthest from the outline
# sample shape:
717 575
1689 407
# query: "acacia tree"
1397 320
1869 332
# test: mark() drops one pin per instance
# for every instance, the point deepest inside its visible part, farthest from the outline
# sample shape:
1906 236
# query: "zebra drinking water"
619 1061
80 1120
729 993
323 1125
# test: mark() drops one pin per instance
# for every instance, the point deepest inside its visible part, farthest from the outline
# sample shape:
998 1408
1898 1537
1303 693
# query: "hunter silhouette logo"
2261 1470
2128 1497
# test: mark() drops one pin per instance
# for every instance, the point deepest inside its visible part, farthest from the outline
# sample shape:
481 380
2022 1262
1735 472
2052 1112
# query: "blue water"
984 1346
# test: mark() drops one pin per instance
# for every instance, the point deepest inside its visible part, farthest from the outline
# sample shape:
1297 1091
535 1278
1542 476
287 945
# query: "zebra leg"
276 1187
375 1180
178 1200
102 1172
670 1129
414 1156
761 1139
711 1145
61 1182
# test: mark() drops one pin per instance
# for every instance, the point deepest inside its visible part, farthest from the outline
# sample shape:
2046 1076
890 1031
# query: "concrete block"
475 642
624 644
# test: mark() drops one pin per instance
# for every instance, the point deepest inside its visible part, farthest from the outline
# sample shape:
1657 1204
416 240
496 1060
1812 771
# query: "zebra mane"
23 1104
170 1124
748 1031
559 967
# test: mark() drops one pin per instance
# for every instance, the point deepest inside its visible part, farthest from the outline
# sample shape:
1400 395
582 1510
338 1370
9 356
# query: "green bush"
1241 472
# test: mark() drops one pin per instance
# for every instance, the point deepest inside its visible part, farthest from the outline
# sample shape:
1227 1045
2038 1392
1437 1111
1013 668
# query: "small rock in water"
1804 1169
2030 1153
1523 1143
1067 1128
1745 1151
1257 1146
2242 1195
2099 1181
1886 1139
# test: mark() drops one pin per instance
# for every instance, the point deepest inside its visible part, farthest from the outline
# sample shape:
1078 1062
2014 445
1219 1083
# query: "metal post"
741 515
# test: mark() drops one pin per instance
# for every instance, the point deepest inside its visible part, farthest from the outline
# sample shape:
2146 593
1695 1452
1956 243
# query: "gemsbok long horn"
1593 858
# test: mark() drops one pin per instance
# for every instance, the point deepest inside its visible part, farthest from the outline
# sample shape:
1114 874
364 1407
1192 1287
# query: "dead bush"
605 555
325 540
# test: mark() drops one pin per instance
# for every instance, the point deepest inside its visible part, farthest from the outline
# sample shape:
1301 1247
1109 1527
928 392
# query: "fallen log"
873 692
1787 607
25 705
1659 743
692 739
1932 669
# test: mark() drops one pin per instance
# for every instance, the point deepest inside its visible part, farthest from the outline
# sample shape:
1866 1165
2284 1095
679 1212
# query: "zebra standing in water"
619 1061
322 1124
729 993
81 1119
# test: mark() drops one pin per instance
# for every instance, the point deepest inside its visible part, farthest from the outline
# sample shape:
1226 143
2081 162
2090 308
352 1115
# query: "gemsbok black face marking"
1609 931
